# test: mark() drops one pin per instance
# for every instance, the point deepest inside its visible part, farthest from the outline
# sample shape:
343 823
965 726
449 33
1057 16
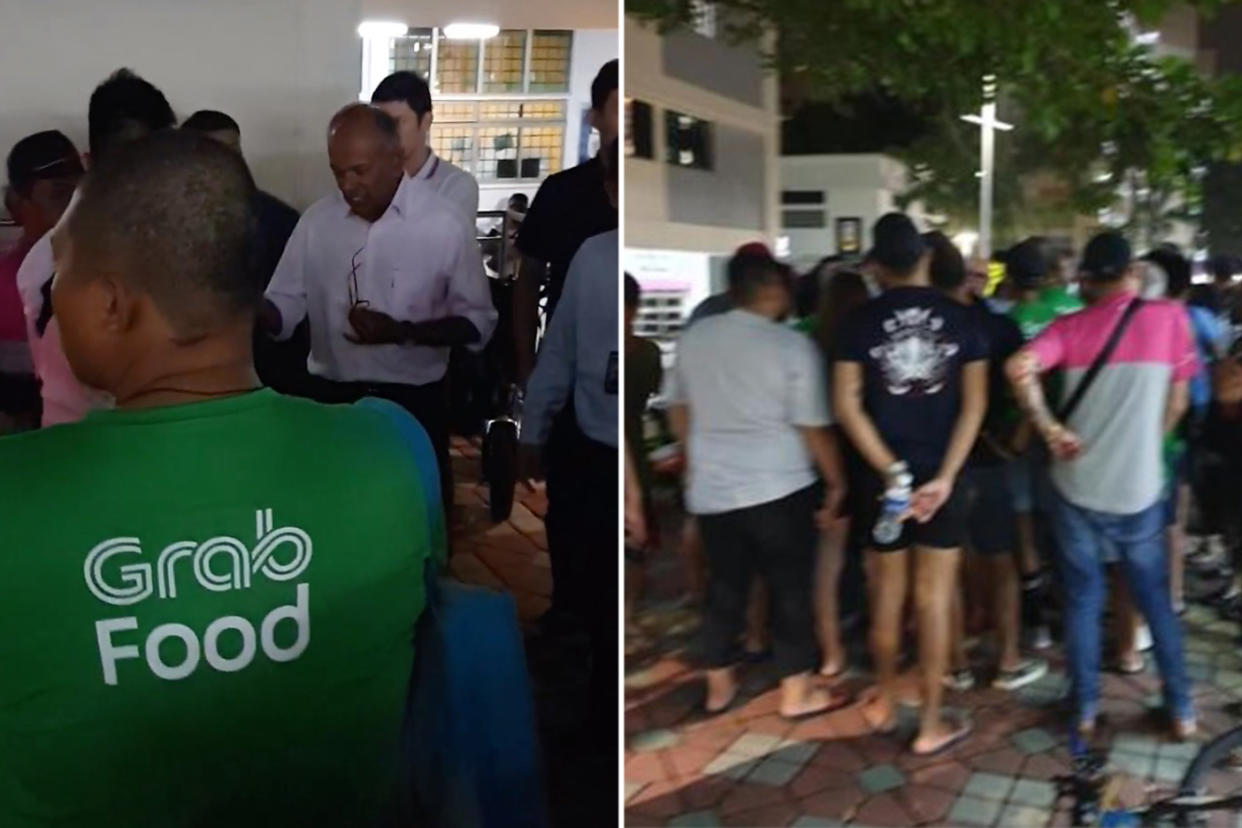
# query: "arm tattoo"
1030 393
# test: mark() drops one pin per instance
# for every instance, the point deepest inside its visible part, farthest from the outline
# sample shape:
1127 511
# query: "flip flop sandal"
837 703
1134 669
735 701
887 729
964 730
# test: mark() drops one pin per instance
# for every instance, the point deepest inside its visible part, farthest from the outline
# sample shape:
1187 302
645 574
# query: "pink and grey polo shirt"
1121 418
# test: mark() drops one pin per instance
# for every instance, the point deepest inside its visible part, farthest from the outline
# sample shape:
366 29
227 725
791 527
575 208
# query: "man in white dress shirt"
406 97
389 277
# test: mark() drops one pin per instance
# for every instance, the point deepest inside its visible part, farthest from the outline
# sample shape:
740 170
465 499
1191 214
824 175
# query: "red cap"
754 249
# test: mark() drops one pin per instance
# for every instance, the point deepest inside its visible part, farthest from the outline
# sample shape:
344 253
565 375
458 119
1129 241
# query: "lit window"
504 59
703 18
411 53
502 140
688 141
457 66
549 61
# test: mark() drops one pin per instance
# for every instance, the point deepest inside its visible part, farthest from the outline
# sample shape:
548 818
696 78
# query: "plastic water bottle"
896 502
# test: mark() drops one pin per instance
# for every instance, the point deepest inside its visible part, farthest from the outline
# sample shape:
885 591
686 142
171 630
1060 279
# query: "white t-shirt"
65 400
749 384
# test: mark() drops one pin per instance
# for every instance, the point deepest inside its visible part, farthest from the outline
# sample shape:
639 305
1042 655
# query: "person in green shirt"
213 588
1041 297
1042 292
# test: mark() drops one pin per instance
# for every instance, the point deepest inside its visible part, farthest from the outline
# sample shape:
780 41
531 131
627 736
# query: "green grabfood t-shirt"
208 614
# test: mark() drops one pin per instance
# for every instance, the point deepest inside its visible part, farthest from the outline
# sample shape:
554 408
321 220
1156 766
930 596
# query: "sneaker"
1038 638
960 680
1027 672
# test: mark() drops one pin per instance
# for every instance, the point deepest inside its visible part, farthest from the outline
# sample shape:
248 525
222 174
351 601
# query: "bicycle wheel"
500 466
1209 756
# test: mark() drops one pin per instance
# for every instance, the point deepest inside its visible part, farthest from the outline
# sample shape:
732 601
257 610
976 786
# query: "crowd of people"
184 361
971 457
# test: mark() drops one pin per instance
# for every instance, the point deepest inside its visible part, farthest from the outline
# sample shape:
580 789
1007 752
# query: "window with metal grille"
661 314
501 140
803 219
501 104
688 141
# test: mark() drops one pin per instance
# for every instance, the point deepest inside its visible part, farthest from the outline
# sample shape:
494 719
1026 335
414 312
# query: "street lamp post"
986 119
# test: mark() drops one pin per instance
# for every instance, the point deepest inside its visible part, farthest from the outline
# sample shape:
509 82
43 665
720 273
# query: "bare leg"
957 647
933 591
1125 617
1005 608
886 577
1028 556
827 612
721 688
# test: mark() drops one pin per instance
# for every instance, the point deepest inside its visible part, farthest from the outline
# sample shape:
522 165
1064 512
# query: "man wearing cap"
43 171
1107 441
910 391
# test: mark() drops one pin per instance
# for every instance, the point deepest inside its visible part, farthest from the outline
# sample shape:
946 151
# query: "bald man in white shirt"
389 277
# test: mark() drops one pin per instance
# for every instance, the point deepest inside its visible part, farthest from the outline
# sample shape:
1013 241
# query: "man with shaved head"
389 277
219 625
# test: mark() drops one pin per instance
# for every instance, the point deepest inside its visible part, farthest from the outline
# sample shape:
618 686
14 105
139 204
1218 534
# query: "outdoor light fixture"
381 29
471 31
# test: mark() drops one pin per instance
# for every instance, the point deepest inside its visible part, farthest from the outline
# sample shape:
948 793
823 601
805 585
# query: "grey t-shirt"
749 384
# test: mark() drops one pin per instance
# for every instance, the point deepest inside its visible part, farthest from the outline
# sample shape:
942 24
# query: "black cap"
1026 264
896 243
40 156
1107 257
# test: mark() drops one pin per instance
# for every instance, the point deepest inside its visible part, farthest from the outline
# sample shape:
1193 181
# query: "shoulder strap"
1114 338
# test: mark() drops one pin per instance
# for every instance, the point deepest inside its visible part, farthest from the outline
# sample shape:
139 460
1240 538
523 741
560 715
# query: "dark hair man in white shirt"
407 98
389 277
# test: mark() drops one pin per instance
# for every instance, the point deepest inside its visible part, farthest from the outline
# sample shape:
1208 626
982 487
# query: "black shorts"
946 530
991 520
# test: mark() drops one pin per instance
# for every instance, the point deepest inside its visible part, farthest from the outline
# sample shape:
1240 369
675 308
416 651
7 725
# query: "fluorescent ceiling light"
471 31
382 29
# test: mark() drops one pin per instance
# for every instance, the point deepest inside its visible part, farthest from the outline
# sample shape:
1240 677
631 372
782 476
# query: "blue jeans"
1082 537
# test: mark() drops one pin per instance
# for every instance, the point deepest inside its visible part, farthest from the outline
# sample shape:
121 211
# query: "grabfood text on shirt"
131 583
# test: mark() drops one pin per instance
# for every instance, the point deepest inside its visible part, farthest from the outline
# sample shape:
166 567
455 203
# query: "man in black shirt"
910 391
281 365
991 519
570 207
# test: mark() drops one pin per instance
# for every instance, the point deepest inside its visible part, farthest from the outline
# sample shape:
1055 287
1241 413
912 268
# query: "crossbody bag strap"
1080 391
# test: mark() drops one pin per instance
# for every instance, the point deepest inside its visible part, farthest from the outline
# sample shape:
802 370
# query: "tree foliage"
1094 109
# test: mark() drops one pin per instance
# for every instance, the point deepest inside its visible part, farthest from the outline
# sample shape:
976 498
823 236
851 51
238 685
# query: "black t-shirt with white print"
912 343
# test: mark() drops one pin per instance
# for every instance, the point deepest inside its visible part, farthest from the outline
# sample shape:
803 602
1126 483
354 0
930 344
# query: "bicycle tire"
500 450
1208 757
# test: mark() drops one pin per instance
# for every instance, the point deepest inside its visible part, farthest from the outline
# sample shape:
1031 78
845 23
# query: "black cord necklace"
171 390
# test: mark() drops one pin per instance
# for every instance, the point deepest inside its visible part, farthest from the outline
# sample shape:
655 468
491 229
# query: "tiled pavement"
512 555
751 767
